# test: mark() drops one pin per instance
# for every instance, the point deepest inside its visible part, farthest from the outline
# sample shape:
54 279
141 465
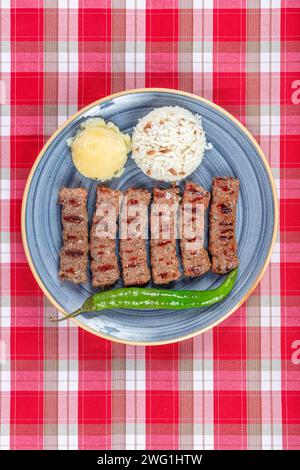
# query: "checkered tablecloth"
234 387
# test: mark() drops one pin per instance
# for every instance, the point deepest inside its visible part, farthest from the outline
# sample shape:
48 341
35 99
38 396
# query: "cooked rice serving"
169 143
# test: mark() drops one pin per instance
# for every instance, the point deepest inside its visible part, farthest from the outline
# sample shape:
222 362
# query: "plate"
234 153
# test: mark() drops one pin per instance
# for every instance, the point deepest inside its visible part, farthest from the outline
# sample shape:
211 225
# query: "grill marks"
133 253
222 242
132 249
104 263
195 259
164 261
73 255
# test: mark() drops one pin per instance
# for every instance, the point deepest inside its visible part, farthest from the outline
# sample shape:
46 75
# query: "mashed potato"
99 150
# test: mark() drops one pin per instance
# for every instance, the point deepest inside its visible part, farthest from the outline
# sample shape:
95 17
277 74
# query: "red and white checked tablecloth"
234 387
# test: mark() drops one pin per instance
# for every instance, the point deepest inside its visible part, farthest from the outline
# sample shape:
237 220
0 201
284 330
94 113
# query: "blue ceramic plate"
234 153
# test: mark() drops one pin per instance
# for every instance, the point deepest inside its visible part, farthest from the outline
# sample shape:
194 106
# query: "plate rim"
82 111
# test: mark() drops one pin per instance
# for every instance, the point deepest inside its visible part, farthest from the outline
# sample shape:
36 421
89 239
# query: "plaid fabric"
234 387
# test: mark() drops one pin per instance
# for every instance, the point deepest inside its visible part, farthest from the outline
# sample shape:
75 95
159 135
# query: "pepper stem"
87 306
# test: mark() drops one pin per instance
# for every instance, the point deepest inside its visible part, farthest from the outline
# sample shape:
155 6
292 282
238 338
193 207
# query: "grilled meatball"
74 253
222 241
164 261
195 258
134 232
104 263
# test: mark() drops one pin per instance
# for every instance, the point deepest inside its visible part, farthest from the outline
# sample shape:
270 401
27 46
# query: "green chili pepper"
144 298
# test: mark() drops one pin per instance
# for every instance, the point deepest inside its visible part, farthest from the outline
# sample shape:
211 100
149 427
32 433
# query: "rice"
169 143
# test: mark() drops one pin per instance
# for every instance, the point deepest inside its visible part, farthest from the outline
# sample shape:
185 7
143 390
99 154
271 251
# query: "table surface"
234 387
